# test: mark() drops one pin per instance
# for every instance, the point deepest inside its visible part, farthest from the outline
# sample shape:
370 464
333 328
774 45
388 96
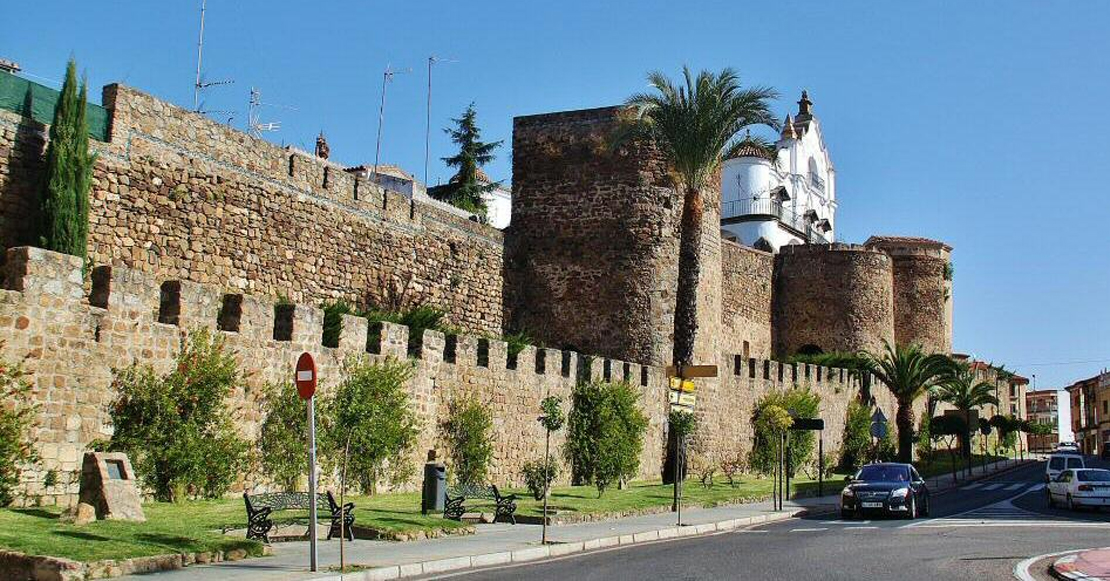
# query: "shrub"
177 427
17 414
887 449
282 441
799 402
468 431
857 436
605 434
516 342
732 467
537 476
371 409
333 322
417 319
924 441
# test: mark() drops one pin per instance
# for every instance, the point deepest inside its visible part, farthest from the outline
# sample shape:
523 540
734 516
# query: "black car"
885 488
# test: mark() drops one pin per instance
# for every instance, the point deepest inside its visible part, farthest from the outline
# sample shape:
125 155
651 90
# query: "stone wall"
178 195
71 339
922 295
593 246
746 300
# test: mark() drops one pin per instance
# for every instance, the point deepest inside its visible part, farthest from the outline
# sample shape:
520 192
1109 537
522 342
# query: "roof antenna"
428 127
255 126
200 83
387 77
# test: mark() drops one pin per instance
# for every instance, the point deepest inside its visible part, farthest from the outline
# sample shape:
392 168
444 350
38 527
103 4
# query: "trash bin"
435 485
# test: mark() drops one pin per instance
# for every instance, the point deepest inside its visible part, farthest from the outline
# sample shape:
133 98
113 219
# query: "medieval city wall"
176 194
746 299
71 340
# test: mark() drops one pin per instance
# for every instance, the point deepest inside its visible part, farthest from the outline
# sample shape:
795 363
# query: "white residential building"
769 200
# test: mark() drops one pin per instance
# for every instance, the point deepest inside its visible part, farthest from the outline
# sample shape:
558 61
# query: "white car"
1073 488
1061 461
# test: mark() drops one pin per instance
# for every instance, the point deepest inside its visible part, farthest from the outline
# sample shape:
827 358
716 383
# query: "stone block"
34 271
108 484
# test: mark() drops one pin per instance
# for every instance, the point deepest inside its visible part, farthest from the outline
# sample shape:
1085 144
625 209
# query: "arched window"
815 175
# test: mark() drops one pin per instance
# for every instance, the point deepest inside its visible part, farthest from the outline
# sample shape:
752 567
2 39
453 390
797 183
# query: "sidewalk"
496 544
493 544
1092 564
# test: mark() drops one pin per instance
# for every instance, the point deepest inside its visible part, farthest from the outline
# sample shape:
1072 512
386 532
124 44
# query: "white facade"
791 199
499 207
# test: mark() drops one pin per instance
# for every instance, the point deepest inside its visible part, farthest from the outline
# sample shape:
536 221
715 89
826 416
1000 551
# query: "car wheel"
1051 501
911 509
1071 503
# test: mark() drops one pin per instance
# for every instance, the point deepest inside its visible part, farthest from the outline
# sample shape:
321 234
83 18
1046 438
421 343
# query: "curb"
1064 568
561 549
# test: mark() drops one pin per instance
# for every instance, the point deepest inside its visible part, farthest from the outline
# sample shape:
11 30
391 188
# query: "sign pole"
820 462
312 482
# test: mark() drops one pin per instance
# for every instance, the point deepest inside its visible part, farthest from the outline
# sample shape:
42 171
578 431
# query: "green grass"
398 512
649 495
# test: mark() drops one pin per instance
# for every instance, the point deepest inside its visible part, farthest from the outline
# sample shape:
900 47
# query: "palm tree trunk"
686 306
904 421
689 271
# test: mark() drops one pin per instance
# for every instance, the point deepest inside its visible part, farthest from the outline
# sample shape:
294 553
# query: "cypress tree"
465 189
64 209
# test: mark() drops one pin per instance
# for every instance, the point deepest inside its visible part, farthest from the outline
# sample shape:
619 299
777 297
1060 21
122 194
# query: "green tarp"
37 101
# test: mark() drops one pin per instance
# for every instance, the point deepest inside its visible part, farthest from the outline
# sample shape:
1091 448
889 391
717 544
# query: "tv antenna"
255 126
200 83
428 126
387 78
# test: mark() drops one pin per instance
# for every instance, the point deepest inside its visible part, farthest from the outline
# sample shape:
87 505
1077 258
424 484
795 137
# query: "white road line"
996 524
809 530
1016 486
1036 488
859 528
845 522
972 486
992 487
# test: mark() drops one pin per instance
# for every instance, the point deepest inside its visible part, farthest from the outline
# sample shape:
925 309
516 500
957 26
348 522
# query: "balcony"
749 210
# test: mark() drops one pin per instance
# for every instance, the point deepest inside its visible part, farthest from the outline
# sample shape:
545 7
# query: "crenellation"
431 347
352 334
394 341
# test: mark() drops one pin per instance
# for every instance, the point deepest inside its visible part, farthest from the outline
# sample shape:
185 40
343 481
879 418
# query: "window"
1075 462
1056 463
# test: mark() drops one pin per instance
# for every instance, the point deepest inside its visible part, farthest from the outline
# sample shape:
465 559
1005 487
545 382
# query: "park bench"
260 508
457 496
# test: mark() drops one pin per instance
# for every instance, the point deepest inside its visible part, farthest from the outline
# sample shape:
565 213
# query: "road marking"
1016 486
992 487
1021 570
809 530
972 486
845 522
1036 488
859 528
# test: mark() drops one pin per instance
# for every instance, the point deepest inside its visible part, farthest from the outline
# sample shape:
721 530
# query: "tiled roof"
906 241
751 150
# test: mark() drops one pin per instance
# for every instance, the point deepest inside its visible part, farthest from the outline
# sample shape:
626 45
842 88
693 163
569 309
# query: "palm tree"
909 373
696 125
960 389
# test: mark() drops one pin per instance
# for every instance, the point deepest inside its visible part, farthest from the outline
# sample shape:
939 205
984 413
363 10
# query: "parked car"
1067 447
885 488
1060 461
1089 487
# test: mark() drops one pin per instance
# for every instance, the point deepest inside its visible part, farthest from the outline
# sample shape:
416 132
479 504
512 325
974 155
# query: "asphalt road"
978 532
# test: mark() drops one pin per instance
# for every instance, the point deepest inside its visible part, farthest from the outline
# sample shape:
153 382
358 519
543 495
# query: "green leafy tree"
372 410
17 416
282 441
468 431
468 184
960 388
947 428
799 402
605 434
908 373
539 475
856 444
177 428
64 201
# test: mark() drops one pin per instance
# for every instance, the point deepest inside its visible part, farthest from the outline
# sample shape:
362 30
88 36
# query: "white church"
788 197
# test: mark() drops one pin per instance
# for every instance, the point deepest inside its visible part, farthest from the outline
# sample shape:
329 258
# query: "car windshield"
1094 476
1075 462
1056 463
881 473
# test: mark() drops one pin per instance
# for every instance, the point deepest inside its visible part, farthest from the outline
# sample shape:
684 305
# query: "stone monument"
108 485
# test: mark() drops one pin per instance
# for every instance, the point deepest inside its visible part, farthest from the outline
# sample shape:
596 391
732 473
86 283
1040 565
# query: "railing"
774 209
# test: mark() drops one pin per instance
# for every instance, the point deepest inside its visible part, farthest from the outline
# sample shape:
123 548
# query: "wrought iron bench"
504 505
260 507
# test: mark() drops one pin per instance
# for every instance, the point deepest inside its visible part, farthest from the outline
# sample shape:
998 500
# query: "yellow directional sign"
680 384
692 371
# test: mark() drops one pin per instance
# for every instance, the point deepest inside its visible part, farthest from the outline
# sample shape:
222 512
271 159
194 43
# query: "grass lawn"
184 528
647 495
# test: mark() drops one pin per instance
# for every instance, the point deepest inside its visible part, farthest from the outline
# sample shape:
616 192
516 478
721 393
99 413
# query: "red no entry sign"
306 376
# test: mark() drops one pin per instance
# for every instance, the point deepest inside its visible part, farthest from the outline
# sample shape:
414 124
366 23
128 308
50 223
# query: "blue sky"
983 126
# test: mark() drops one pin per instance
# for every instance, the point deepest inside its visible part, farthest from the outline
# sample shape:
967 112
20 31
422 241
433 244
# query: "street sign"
808 424
692 371
878 430
306 376
679 384
681 399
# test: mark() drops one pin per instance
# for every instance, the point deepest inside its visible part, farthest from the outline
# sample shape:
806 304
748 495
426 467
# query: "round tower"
832 297
922 290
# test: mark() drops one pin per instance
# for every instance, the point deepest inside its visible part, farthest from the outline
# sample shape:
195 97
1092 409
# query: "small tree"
799 402
857 436
468 431
17 416
605 434
282 442
949 429
64 209
466 188
177 428
372 410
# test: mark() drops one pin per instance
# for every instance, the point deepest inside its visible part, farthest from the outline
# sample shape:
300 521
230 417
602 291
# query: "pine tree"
466 188
64 209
